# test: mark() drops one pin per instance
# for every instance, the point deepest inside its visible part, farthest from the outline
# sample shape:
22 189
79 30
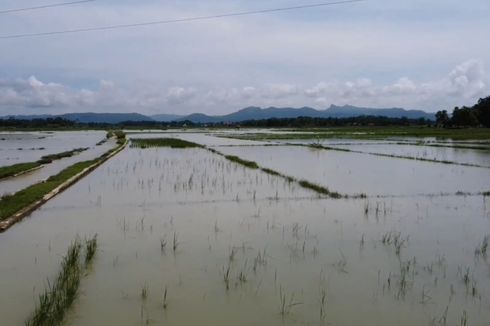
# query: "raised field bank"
352 226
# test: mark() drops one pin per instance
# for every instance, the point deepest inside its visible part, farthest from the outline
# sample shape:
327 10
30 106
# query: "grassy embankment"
16 169
11 204
21 168
162 142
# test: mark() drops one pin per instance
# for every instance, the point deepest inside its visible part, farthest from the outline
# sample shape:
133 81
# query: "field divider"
22 173
8 222
405 157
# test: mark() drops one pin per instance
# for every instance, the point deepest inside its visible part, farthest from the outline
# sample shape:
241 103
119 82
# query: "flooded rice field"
353 173
187 237
55 143
20 147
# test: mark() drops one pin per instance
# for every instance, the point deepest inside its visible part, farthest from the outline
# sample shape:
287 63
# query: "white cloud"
463 85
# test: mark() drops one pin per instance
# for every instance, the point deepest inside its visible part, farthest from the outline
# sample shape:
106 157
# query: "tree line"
300 122
477 115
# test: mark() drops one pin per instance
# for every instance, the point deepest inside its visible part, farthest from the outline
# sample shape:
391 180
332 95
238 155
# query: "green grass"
236 159
58 156
319 189
90 250
120 136
162 142
11 170
11 204
271 172
57 298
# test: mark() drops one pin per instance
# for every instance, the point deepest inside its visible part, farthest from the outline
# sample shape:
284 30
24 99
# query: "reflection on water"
398 261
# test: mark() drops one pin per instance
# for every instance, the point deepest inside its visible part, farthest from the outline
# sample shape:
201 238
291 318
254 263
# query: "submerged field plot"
188 236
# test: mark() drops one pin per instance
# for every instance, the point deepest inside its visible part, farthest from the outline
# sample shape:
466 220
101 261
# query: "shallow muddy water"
12 185
354 173
17 147
325 257
458 155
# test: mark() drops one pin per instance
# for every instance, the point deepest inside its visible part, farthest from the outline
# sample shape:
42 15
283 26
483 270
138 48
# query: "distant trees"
309 122
483 111
442 118
477 115
49 123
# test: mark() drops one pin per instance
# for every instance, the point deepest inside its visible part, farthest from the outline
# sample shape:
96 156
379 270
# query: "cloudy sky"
416 54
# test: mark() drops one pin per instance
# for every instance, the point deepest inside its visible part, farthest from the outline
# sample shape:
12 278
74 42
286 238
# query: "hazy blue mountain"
353 111
256 113
166 117
200 118
88 117
105 117
250 113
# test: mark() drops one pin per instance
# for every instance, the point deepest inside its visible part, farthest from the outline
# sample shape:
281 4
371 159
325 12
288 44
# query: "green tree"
464 117
442 118
483 110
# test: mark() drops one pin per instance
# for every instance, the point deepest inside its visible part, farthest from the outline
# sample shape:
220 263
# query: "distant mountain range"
250 113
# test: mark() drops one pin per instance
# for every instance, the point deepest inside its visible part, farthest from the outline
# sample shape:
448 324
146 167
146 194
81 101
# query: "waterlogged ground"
20 147
12 185
253 249
353 173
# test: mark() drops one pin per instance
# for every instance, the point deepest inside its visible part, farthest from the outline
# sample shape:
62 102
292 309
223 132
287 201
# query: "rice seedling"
323 304
319 189
144 292
242 276
90 249
341 264
236 159
286 304
482 248
164 299
163 244
465 276
442 320
231 256
425 297
175 243
395 239
55 301
226 276
259 260
464 319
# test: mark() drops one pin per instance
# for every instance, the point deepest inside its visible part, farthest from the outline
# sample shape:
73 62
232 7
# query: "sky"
415 54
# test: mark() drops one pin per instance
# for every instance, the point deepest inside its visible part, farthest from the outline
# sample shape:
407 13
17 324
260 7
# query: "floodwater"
459 155
12 185
20 147
354 173
325 257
